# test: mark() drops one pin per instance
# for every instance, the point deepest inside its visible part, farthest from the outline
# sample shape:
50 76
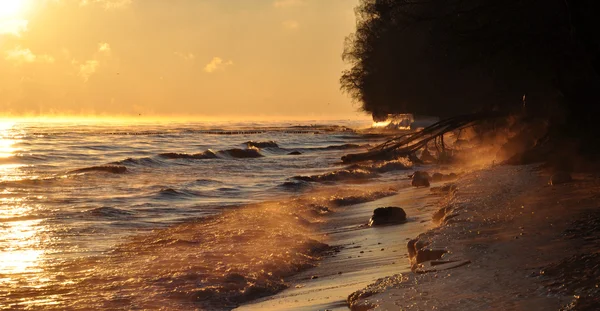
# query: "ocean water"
170 215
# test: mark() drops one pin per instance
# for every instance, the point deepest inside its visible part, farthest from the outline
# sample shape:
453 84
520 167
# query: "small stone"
560 177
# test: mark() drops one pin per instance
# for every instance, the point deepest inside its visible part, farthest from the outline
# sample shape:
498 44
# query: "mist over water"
93 213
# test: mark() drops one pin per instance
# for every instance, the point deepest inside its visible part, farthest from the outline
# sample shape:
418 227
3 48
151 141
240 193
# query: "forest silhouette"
536 58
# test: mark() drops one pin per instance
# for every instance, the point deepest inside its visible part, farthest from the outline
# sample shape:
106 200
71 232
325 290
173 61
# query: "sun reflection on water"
6 143
22 249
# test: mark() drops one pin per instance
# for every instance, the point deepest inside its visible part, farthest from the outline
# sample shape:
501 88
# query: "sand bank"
514 243
530 246
360 254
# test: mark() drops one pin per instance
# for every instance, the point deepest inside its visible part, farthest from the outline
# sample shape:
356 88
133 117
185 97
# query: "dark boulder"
387 215
436 177
420 179
451 176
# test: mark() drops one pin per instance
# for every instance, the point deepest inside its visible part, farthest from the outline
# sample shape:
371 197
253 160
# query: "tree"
451 57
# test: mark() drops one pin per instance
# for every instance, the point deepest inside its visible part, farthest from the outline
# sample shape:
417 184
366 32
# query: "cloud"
187 57
288 3
291 25
108 4
217 63
104 47
21 55
13 27
88 68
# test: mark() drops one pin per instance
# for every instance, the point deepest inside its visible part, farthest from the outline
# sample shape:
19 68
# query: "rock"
445 189
442 212
420 179
441 265
427 157
451 176
560 177
387 215
411 246
235 278
419 253
295 153
424 255
437 177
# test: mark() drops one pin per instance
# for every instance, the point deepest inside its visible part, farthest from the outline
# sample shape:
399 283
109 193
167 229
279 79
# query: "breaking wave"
108 212
145 161
261 144
209 154
113 169
341 175
361 198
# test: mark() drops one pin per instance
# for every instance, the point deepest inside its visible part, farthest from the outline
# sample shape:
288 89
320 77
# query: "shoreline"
361 254
513 234
503 234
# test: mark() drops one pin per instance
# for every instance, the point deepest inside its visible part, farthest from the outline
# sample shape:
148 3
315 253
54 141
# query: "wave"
213 263
261 144
209 154
206 182
337 147
361 198
252 151
172 193
27 182
242 153
113 169
109 212
145 161
341 175
295 185
22 159
385 166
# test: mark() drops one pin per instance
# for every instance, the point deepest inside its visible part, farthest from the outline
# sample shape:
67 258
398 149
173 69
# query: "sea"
171 215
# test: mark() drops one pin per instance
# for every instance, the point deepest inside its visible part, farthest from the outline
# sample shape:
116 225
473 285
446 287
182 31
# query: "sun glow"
11 8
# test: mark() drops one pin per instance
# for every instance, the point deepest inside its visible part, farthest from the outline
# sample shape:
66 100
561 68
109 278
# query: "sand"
361 254
515 243
517 233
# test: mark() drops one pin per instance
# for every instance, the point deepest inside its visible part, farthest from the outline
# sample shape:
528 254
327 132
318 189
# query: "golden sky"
214 58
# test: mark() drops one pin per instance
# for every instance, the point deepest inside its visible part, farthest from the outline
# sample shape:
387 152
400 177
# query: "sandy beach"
360 254
530 246
511 242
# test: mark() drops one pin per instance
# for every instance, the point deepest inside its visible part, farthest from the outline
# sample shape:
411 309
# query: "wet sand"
360 254
520 244
531 246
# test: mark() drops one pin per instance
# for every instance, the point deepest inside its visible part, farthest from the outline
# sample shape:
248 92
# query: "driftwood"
407 144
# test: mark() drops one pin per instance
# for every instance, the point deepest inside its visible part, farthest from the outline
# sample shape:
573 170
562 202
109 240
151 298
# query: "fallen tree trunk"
407 144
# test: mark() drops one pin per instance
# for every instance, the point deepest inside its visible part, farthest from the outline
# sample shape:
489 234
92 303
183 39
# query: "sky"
207 58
